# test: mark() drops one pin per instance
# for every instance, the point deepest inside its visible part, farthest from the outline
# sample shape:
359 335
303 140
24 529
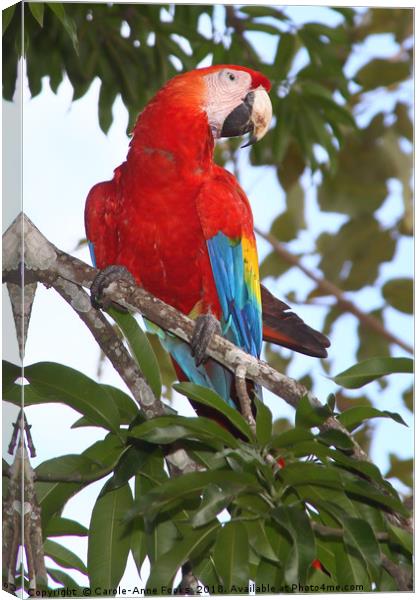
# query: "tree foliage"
314 501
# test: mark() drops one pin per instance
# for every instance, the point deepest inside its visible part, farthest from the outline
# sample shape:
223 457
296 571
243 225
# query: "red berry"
281 462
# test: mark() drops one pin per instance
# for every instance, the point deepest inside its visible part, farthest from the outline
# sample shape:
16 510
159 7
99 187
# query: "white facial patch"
225 91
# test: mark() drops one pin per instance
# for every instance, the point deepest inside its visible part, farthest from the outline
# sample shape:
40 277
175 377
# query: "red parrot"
183 226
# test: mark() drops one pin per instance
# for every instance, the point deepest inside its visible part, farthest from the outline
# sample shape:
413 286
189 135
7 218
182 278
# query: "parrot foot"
103 279
206 326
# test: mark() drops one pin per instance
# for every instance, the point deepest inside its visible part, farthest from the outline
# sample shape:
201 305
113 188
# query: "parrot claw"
103 279
206 326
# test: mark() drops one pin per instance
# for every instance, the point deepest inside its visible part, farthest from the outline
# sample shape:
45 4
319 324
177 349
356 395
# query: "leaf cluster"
289 498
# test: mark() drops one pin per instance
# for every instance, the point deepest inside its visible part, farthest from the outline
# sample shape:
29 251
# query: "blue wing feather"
239 300
92 252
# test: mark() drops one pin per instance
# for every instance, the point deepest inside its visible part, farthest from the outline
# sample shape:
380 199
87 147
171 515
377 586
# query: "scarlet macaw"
183 226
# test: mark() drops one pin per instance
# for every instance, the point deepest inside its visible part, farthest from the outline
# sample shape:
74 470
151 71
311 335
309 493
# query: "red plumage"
148 217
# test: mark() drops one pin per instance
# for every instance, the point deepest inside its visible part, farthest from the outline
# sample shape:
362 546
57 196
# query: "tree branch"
331 289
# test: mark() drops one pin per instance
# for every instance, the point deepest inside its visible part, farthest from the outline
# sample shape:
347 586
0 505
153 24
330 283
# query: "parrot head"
233 100
237 102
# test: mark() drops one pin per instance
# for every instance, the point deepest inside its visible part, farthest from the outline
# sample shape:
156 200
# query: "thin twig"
332 290
244 399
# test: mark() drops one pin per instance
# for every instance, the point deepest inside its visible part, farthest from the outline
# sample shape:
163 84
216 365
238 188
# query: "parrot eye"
231 76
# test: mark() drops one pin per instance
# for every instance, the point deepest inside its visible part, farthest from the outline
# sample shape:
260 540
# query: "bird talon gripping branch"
206 326
103 279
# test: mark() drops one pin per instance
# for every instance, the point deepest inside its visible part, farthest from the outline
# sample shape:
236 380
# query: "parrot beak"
252 116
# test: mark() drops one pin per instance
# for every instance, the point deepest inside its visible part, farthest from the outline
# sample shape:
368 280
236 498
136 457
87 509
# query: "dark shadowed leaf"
295 521
67 22
7 15
37 10
359 534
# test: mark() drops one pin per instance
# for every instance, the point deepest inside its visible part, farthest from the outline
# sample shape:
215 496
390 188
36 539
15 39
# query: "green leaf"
408 398
286 50
109 542
58 383
63 556
353 417
401 537
130 462
399 293
358 533
382 72
259 541
138 531
52 497
165 430
371 343
190 485
401 469
273 266
264 422
351 258
334 437
368 370
214 501
304 473
208 397
37 10
71 466
58 526
167 565
10 373
263 11
140 348
308 415
231 556
7 15
291 437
